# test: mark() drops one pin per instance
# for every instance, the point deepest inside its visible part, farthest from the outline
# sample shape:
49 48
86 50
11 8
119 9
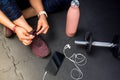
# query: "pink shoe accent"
73 16
39 47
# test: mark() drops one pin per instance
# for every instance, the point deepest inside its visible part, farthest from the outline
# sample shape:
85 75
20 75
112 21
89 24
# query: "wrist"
42 13
14 28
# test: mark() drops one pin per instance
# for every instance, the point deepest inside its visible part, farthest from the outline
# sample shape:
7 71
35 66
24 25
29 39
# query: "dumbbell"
114 45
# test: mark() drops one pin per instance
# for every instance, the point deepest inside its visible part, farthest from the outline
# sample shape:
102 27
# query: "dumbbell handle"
96 43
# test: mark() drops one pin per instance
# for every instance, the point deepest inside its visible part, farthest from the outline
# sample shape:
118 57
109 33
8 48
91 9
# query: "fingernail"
31 36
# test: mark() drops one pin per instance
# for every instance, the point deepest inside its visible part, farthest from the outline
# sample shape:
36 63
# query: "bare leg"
29 12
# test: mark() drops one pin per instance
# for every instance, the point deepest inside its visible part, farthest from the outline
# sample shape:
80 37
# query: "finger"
45 31
32 36
27 42
39 27
25 38
40 31
29 37
26 33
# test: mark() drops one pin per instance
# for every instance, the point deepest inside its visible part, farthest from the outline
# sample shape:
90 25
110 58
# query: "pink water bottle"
72 20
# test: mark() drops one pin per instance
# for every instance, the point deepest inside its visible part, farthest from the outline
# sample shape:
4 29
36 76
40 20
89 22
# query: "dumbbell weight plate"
116 49
88 37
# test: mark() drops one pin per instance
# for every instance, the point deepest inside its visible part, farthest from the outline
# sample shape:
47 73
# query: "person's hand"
24 36
42 26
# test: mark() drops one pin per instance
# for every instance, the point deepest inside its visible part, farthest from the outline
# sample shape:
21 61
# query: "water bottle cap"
75 3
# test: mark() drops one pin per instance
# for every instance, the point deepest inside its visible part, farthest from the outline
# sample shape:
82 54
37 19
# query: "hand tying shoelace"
38 46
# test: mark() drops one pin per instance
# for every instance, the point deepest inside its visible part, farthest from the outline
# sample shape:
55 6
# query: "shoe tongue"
33 32
38 41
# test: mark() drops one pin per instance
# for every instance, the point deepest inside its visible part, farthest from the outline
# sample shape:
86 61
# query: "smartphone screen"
55 63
